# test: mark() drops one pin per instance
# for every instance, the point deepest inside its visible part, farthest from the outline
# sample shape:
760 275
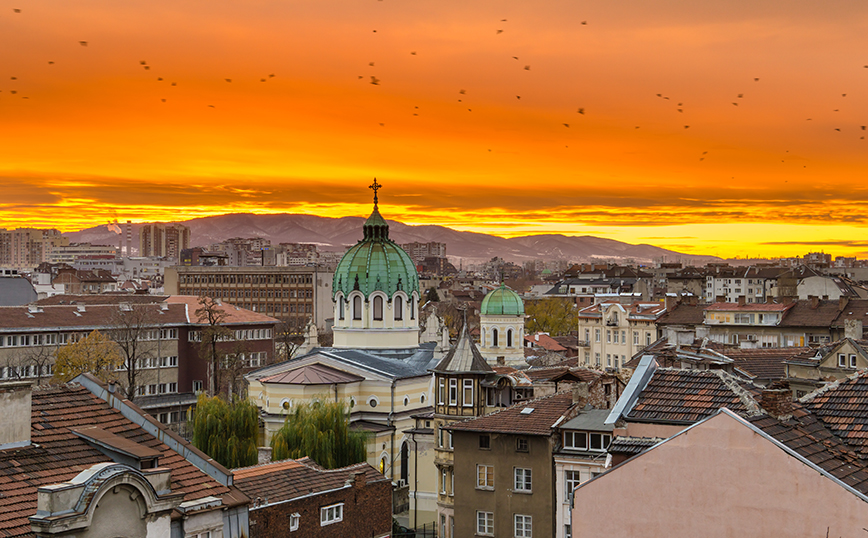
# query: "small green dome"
376 263
502 302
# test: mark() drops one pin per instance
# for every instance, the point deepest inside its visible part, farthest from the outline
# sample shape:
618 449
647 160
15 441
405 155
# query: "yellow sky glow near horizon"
779 173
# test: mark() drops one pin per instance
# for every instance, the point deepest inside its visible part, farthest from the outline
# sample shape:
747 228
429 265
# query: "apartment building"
163 240
72 252
610 333
295 295
25 248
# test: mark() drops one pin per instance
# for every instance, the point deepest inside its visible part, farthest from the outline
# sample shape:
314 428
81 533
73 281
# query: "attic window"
527 411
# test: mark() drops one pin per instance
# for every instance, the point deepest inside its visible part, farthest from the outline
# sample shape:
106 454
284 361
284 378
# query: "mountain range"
335 234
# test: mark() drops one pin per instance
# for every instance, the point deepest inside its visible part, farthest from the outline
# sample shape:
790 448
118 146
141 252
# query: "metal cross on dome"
375 187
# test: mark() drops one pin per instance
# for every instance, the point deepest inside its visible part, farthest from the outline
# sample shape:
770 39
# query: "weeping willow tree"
226 431
320 430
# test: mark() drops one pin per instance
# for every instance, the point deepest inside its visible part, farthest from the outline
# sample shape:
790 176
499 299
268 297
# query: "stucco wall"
720 479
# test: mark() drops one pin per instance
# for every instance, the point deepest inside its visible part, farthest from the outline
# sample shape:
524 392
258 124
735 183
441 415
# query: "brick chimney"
815 302
777 402
843 302
581 394
741 300
15 419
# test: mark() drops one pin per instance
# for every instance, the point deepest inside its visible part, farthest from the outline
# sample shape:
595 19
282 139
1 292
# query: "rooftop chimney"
842 302
853 329
15 418
581 393
778 402
741 300
815 302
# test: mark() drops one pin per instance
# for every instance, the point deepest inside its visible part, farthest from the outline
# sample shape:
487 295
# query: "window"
485 523
572 480
293 521
485 476
609 335
576 440
357 307
399 308
493 337
623 337
523 526
453 392
616 337
522 479
596 335
441 391
197 386
509 338
842 360
600 441
341 307
467 397
635 338
331 514
852 361
521 444
378 308
485 441
443 481
568 531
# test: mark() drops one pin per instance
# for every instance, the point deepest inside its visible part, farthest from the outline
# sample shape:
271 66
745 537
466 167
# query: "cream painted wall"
719 479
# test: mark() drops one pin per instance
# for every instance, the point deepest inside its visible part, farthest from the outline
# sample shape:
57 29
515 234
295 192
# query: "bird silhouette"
163 100
371 64
83 43
211 106
147 67
160 79
527 68
680 110
581 111
518 97
382 125
756 79
515 57
228 80
843 95
499 32
863 127
839 130
584 23
143 62
262 80
687 127
375 81
462 92
736 104
566 125
413 53
50 63
502 20
13 78
16 10
174 84
740 95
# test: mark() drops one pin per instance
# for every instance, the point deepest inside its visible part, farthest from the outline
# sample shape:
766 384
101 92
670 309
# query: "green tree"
431 295
94 353
321 431
552 315
226 431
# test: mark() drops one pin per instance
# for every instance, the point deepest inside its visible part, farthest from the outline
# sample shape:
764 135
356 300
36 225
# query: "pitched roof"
464 356
57 454
805 314
843 407
544 341
233 313
763 363
288 479
683 314
632 445
313 374
560 373
688 396
749 307
544 413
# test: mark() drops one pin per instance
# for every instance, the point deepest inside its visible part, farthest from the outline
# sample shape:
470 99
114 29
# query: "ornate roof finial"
375 187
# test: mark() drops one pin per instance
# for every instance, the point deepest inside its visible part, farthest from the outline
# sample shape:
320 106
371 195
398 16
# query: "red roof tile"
516 420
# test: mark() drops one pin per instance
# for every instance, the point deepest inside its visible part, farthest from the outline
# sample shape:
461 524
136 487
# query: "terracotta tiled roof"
843 407
559 373
57 455
632 445
763 363
688 396
71 317
102 298
750 307
809 437
803 314
233 313
544 341
288 479
515 420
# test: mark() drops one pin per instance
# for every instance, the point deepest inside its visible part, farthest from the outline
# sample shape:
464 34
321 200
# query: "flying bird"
584 23
502 20
83 43
736 104
740 95
16 10
581 111
515 57
163 100
371 64
462 92
228 80
147 67
143 62
160 79
212 106
499 32
50 63
863 127
680 110
382 125
687 127
13 78
413 53
843 95
756 80
527 68
518 97
566 125
262 80
174 84
375 81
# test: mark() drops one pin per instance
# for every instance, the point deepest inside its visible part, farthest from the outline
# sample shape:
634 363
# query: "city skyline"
740 170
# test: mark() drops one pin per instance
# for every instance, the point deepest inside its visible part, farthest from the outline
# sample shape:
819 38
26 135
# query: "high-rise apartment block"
25 248
163 240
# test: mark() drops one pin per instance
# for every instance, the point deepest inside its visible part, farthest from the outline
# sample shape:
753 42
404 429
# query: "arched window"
378 308
399 308
341 306
357 307
383 465
412 308
493 337
509 338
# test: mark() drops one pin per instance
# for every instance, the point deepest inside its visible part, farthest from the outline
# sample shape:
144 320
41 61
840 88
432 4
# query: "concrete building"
70 253
25 248
163 240
295 295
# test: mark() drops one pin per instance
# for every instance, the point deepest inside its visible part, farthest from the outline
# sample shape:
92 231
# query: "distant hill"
337 233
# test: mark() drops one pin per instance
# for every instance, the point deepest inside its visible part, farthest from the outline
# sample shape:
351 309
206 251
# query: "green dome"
376 263
502 302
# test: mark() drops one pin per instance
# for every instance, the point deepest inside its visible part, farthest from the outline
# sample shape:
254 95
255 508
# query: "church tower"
501 328
376 291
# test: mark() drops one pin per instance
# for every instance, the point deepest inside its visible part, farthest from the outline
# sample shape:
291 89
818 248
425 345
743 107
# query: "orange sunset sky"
773 167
